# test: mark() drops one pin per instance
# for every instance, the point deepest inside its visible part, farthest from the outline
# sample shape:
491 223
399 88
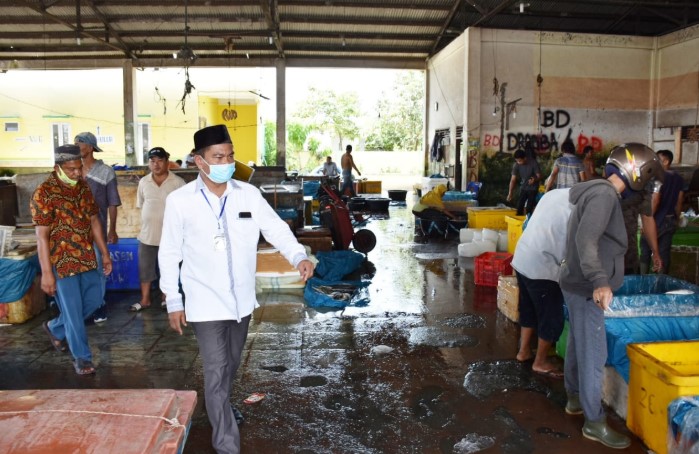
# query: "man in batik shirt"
67 221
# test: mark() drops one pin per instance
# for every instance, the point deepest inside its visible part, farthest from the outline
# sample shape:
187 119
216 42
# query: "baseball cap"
88 138
158 152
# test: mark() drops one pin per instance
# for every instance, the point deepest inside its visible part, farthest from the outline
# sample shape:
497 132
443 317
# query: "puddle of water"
472 443
437 337
465 321
486 378
275 368
313 380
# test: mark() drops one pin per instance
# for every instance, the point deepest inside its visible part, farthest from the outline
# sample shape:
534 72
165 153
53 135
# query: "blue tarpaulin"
643 311
319 293
334 265
17 277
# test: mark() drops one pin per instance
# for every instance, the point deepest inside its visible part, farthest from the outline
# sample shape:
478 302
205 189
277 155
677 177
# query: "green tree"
331 112
270 138
400 115
296 134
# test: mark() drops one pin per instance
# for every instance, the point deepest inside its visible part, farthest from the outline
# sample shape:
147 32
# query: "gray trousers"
586 354
220 345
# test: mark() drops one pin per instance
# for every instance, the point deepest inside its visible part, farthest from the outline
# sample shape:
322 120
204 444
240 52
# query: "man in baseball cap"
103 184
89 139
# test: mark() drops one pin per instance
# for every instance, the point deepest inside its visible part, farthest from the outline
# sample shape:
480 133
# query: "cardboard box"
508 297
317 243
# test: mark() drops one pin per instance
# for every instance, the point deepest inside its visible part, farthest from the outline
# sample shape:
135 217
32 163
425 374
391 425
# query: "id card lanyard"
219 238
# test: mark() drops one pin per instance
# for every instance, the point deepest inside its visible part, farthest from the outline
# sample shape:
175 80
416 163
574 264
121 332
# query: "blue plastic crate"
124 257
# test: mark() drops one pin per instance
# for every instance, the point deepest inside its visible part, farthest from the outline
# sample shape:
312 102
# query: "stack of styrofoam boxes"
474 242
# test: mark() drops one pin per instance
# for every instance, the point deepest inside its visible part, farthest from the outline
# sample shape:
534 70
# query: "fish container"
124 275
660 372
488 267
647 308
514 231
397 195
489 217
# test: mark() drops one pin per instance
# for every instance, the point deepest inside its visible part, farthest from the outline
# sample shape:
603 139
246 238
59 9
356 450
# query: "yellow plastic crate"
489 217
660 372
514 231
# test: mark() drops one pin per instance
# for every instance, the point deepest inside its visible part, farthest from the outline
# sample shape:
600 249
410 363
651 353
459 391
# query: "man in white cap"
103 184
66 219
152 191
211 227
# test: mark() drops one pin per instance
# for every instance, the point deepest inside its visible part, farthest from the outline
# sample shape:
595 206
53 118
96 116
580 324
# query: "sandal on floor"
138 307
60 345
554 373
83 367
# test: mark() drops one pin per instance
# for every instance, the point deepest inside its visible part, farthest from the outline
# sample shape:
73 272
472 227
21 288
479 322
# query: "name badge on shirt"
219 242
245 215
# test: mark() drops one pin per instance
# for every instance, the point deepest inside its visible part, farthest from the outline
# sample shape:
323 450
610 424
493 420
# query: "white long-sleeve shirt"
189 227
542 246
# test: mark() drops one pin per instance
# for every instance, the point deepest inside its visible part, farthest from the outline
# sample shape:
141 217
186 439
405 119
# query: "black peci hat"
211 135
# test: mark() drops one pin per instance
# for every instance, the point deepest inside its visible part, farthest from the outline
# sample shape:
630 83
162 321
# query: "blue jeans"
103 280
347 183
77 298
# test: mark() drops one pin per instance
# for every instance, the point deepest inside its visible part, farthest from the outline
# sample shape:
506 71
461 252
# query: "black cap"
158 152
211 135
66 153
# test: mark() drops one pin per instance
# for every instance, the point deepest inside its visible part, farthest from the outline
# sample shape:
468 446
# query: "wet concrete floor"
426 367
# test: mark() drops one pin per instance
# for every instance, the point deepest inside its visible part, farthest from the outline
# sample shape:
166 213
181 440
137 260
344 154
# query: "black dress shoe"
239 418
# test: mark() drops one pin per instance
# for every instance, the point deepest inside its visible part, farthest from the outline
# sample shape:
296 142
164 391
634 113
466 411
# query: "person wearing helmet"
592 269
640 167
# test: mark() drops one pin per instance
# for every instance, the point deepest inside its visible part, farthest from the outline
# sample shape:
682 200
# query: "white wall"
600 90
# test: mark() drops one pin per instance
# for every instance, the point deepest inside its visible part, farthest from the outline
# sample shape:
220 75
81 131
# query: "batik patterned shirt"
67 212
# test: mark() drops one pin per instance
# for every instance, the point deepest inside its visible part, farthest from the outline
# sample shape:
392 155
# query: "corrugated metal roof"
394 30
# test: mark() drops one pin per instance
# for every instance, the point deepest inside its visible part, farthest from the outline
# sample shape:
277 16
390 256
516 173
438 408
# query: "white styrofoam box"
477 234
471 249
502 241
490 235
487 246
476 247
466 235
430 183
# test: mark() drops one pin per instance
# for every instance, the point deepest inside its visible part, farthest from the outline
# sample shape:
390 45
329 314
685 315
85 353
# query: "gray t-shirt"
525 171
103 184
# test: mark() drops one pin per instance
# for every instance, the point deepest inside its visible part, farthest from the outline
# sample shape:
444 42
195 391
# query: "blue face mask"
220 173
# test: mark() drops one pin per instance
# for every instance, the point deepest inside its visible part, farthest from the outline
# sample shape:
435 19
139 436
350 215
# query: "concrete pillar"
130 115
429 101
472 105
281 111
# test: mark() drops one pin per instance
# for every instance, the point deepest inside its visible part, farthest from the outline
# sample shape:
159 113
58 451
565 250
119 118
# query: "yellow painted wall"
91 100
242 123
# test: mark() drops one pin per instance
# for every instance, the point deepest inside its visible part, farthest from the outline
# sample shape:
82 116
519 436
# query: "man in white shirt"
330 168
150 198
212 226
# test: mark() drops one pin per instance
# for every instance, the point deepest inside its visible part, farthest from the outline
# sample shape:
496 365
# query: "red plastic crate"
490 265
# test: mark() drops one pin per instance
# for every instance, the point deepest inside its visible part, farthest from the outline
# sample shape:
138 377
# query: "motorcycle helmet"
637 163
